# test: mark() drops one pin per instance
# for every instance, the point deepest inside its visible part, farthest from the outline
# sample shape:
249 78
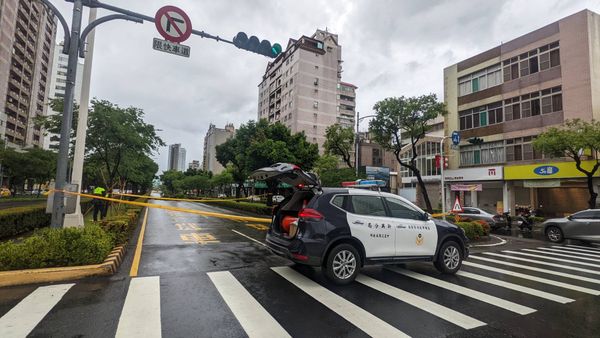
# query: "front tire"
449 259
554 234
343 263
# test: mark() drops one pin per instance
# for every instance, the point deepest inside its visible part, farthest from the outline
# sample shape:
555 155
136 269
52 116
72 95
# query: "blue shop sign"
546 170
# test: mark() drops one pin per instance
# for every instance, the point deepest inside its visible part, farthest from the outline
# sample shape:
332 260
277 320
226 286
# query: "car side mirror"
426 216
570 217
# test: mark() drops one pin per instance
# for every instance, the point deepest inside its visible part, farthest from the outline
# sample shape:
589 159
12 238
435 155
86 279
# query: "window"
316 104
521 149
584 215
487 153
399 209
367 205
480 80
339 201
542 58
481 116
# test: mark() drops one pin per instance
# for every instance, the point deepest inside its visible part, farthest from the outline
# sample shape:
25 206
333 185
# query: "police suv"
342 229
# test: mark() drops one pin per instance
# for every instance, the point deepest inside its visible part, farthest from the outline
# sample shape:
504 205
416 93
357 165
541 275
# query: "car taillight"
312 214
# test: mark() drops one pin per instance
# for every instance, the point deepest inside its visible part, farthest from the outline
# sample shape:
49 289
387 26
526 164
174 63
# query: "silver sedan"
583 225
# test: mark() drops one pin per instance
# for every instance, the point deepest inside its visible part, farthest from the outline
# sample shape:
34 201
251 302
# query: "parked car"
342 229
494 220
583 225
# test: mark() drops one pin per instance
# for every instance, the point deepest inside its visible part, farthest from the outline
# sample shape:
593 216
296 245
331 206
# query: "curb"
502 242
33 276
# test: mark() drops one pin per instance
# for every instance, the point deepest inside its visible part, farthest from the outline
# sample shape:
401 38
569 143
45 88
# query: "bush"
57 247
537 219
485 226
257 208
15 221
473 230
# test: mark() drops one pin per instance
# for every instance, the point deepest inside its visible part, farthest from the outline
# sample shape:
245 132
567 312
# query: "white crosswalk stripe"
255 320
354 314
435 309
516 287
536 279
25 316
532 268
562 255
578 254
499 302
552 258
583 247
141 312
575 249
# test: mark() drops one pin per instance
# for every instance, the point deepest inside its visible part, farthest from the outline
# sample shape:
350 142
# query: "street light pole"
58 206
442 163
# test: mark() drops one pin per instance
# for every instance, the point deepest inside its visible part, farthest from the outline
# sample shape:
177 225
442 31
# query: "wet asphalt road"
205 277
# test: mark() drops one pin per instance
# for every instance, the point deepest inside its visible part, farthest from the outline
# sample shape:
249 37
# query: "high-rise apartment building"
26 46
214 137
301 88
508 95
176 157
58 82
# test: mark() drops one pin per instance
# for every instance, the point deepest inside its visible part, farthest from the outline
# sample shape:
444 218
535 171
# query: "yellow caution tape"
186 199
166 207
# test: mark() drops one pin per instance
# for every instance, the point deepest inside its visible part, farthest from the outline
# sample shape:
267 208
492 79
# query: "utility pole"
442 164
58 207
76 219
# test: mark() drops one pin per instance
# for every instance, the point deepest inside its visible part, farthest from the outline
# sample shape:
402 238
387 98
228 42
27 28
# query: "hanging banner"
466 187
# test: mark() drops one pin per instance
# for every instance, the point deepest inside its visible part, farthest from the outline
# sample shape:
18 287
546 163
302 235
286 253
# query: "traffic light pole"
442 165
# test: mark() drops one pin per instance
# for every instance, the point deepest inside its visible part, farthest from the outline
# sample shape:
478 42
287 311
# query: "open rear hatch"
285 221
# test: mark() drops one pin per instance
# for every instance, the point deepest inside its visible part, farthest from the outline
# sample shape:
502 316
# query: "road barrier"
166 207
187 199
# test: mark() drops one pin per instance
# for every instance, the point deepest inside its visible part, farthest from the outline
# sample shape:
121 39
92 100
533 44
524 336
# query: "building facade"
214 137
27 42
58 82
194 165
508 95
301 88
176 157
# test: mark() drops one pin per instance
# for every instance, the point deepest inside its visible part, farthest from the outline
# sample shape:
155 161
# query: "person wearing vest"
98 203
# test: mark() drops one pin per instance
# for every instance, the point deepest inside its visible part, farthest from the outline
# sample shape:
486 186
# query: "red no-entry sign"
173 24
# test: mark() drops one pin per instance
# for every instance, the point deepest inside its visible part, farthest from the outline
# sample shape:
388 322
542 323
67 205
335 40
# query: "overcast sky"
390 48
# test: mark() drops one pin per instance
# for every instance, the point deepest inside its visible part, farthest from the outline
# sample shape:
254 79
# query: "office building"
176 157
58 82
214 137
302 87
507 96
26 52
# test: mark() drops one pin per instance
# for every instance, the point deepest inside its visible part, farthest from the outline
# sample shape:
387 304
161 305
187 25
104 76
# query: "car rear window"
367 205
399 209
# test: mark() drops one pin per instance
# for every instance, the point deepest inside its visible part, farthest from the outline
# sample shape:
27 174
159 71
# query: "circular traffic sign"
173 24
455 137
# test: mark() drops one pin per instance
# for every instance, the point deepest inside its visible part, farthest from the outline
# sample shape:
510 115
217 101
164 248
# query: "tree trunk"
593 194
423 191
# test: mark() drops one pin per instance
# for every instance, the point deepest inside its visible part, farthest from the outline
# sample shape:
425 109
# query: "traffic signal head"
475 140
253 44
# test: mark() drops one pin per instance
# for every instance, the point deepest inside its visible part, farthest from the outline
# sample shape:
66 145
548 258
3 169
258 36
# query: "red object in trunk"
286 221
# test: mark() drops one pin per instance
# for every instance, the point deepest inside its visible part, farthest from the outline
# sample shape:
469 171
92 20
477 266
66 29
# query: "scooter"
524 222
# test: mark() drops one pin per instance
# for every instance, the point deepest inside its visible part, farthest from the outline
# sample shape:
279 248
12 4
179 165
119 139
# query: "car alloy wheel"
554 234
344 264
451 257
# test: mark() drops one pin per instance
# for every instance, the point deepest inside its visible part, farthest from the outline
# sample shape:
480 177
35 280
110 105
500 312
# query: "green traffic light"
276 49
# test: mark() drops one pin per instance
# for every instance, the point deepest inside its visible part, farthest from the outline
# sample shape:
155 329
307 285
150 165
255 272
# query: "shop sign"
541 183
547 171
474 174
466 187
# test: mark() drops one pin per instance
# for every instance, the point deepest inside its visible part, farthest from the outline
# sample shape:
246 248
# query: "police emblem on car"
342 229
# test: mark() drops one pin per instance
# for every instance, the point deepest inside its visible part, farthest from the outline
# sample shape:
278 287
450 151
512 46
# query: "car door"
580 225
415 235
369 223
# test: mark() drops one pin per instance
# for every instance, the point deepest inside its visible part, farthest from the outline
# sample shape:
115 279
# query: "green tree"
340 142
170 181
260 144
399 118
335 177
34 166
325 163
222 181
578 140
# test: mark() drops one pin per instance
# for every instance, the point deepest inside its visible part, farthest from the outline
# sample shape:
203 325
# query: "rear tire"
343 264
449 258
554 234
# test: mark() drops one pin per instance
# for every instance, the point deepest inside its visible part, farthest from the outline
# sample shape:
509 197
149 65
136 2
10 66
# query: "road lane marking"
199 238
569 252
138 249
515 287
561 255
255 320
250 238
435 309
141 312
583 247
480 296
552 258
354 314
25 316
536 279
575 249
551 272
